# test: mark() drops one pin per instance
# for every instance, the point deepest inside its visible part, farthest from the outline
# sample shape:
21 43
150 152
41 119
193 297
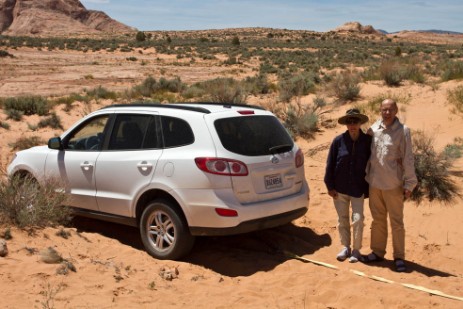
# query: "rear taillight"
299 160
222 166
226 212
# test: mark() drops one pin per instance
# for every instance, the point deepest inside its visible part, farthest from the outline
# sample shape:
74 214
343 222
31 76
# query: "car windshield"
253 135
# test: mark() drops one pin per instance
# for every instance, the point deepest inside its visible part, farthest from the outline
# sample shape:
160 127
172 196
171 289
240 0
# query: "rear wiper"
280 148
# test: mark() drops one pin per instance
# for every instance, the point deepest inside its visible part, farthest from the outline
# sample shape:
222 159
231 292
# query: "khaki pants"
382 204
342 203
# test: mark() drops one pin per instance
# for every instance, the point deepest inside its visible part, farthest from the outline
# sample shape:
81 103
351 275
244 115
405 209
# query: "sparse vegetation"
29 105
455 97
25 203
27 142
433 171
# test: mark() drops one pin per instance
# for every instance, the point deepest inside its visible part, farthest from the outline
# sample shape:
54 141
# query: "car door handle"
86 165
144 166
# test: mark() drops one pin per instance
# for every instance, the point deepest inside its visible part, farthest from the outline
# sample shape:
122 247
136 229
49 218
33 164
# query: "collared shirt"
391 163
346 163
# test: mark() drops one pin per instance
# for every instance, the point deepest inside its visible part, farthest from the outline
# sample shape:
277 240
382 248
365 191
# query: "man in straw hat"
345 180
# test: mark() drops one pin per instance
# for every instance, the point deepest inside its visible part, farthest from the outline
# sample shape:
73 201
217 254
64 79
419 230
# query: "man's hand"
407 194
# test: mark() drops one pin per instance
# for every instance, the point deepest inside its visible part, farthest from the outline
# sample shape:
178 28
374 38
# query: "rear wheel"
164 232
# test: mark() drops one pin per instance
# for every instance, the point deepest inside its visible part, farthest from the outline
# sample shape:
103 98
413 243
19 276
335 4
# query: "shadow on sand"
238 255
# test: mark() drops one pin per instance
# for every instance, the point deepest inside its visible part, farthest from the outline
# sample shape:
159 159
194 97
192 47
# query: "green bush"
27 142
224 90
101 93
4 125
345 86
53 121
453 70
25 203
433 171
14 114
296 85
390 72
29 105
455 97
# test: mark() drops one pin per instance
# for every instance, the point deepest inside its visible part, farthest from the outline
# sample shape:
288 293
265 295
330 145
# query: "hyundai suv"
176 171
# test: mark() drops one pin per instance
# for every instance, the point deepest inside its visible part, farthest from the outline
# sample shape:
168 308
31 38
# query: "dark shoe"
370 258
400 266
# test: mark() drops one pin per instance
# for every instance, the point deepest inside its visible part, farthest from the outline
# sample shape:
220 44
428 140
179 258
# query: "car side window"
134 132
176 132
88 137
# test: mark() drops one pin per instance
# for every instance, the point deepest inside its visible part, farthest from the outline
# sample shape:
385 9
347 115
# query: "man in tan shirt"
391 176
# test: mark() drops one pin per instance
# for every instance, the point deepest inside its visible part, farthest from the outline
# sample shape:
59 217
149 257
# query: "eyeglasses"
352 121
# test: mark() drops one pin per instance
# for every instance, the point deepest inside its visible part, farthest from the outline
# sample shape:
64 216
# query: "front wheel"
164 232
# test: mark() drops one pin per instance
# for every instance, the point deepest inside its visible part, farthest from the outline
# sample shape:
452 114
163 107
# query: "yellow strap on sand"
380 279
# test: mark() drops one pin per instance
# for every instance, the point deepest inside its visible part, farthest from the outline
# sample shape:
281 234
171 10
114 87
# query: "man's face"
388 111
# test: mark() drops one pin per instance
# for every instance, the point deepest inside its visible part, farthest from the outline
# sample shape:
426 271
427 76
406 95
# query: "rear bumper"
252 225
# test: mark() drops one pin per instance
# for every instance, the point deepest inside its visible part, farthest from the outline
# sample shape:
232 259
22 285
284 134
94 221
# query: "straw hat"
353 113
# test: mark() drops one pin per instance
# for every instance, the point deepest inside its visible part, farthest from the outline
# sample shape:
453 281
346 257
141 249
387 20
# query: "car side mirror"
55 143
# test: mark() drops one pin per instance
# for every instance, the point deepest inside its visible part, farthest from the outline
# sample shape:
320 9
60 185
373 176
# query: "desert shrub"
29 105
53 121
257 84
193 92
455 97
224 90
101 93
433 171
27 142
454 150
4 125
236 41
453 70
150 86
140 36
413 73
345 86
296 85
14 114
4 54
25 203
300 120
390 72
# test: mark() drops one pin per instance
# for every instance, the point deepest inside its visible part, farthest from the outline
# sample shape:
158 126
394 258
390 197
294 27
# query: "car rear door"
128 163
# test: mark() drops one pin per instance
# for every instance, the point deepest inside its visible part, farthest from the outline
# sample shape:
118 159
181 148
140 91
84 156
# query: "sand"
252 270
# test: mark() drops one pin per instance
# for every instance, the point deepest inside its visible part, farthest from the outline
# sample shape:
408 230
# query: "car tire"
164 232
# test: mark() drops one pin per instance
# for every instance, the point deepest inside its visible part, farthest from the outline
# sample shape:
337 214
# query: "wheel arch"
152 195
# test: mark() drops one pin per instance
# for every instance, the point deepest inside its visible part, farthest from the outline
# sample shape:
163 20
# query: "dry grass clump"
26 203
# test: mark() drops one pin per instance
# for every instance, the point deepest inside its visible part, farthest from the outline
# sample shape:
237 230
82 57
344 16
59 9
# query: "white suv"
176 171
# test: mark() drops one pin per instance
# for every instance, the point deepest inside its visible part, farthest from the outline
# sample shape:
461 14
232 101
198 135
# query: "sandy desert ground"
244 271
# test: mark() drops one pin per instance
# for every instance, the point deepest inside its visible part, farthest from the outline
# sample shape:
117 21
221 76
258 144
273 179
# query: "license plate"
273 181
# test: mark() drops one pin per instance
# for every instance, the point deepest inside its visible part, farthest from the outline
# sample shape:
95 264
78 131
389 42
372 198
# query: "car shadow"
238 255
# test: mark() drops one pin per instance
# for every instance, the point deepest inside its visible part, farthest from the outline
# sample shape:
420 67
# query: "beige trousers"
384 203
342 204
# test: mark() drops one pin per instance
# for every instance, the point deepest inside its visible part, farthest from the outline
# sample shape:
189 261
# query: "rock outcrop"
54 17
356 27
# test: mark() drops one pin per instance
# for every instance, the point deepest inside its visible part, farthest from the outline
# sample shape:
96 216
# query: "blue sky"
322 15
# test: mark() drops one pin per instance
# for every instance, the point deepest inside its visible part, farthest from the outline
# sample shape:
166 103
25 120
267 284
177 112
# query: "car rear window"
253 135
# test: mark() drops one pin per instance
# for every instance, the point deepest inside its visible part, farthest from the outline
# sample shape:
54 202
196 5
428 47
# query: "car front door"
75 164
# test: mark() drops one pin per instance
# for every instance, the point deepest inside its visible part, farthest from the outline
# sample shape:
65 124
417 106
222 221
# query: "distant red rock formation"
356 27
54 17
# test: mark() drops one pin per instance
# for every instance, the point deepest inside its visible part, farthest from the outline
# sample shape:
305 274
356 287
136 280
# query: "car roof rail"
225 105
150 104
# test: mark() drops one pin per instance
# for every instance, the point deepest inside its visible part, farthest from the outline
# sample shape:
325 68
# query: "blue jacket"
346 163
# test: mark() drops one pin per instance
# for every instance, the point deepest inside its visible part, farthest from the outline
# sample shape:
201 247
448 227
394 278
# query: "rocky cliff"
54 17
